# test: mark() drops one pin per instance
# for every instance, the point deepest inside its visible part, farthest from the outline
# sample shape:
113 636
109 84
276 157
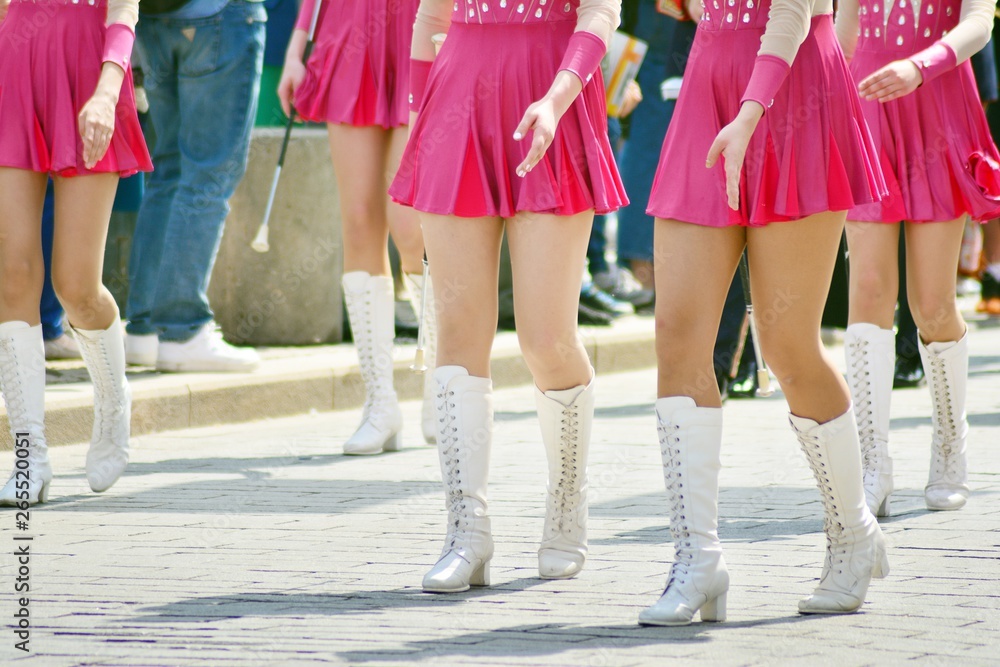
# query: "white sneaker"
206 351
141 349
63 347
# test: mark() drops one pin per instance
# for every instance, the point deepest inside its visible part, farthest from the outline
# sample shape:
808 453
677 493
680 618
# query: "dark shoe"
744 385
593 317
909 373
622 285
989 302
595 299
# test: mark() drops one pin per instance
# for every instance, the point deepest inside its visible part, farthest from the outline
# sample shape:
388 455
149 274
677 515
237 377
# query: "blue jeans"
51 309
202 98
669 44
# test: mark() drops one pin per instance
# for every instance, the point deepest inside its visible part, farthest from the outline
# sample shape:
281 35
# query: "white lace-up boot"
22 379
565 417
871 353
855 548
465 432
947 367
415 285
371 308
104 353
690 445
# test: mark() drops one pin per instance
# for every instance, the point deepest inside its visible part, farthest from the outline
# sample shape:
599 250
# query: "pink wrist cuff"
769 73
305 15
420 71
583 55
118 41
935 60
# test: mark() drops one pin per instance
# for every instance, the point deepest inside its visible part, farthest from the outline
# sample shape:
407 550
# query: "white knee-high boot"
871 354
104 353
22 378
947 367
371 308
465 433
855 548
565 417
690 445
415 285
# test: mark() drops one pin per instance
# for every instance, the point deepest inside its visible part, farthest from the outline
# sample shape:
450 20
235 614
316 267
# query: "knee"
76 296
548 351
932 311
873 285
360 216
21 280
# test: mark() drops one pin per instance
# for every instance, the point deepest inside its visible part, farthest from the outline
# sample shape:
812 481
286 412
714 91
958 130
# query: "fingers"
714 152
527 122
733 168
96 136
539 144
285 95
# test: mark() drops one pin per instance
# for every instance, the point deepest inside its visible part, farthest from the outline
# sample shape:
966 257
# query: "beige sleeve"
433 17
125 12
847 26
973 30
601 17
787 27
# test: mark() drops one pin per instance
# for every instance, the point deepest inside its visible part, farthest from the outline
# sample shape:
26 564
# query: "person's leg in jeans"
156 49
217 86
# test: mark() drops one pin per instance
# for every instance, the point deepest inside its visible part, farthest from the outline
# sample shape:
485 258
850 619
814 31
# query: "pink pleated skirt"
462 156
358 73
811 151
50 62
935 148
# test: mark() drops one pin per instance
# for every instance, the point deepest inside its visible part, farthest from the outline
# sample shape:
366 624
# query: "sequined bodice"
735 14
514 11
905 25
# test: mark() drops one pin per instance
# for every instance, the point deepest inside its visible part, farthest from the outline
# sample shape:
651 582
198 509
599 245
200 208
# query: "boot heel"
880 569
393 444
481 576
883 509
714 611
43 493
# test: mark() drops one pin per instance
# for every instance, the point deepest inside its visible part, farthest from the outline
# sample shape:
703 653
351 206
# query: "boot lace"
10 382
946 462
673 475
837 542
96 356
459 523
563 497
863 404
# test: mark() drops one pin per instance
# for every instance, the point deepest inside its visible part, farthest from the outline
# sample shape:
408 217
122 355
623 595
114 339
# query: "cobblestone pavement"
258 544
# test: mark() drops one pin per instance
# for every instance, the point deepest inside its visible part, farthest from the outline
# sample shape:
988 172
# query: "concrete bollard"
290 295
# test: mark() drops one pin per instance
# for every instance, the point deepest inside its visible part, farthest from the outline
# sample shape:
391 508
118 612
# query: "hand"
731 143
898 78
4 4
291 78
540 119
633 95
694 9
96 121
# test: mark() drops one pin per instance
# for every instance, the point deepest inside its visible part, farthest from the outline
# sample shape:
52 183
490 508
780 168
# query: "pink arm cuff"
420 70
935 60
583 55
769 73
305 15
118 41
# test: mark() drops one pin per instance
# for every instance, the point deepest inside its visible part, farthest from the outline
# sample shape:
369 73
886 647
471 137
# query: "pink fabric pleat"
811 151
358 73
936 150
462 156
50 63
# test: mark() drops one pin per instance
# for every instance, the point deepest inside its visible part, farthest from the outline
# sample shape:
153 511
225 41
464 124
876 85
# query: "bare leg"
547 255
694 269
83 212
359 163
932 251
404 225
465 256
22 269
643 272
874 274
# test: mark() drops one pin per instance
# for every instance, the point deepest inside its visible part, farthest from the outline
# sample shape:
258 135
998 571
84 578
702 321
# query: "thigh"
403 222
23 195
82 212
464 258
548 254
791 267
359 157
